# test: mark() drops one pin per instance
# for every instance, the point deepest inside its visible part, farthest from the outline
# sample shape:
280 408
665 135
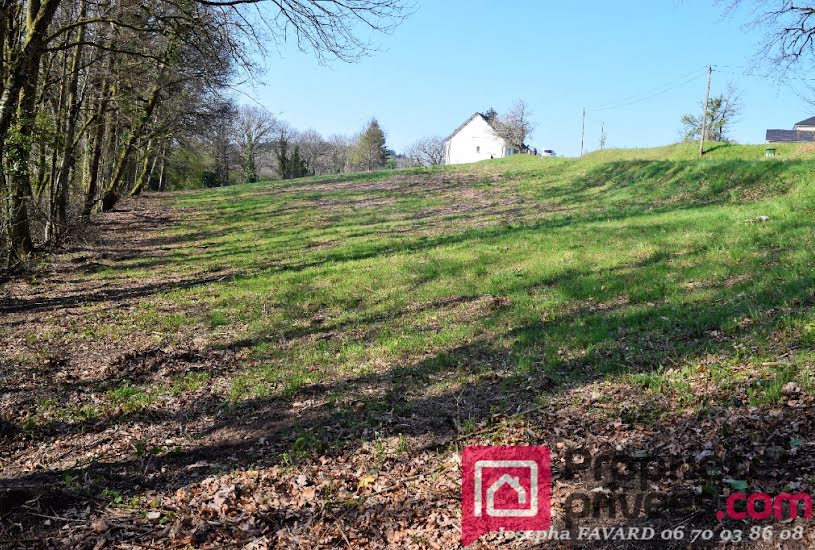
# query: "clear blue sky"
454 57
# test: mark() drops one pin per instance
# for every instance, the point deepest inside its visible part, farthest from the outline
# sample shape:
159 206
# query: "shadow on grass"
107 295
435 396
606 193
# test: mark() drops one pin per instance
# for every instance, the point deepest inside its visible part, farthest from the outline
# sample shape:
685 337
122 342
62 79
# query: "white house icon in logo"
506 479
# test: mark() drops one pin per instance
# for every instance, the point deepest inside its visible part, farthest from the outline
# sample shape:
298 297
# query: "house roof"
808 122
789 136
466 122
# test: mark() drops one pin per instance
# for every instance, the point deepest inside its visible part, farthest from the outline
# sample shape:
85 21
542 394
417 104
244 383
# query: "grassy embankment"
636 264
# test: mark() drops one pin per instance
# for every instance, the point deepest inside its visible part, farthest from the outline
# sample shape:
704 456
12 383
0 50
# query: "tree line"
99 97
250 144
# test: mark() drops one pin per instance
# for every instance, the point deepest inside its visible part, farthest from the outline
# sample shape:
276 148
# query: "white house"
475 140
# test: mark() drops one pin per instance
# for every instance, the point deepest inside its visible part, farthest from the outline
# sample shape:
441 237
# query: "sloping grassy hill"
544 261
365 317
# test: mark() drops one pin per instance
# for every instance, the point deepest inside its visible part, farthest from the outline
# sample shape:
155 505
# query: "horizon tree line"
249 143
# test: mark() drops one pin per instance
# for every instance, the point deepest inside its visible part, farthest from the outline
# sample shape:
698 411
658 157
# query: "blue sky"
454 57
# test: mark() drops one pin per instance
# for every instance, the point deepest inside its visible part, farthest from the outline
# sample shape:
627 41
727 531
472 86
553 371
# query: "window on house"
478 149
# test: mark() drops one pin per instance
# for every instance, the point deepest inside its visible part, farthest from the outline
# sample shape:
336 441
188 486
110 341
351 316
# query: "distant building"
802 132
476 140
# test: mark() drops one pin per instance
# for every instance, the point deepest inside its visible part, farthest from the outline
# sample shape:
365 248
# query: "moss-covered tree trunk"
19 173
59 201
18 102
145 172
110 195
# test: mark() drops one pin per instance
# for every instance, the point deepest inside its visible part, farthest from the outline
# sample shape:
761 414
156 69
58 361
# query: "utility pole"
704 112
583 132
603 135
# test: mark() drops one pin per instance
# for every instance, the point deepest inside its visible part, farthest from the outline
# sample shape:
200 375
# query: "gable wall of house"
476 141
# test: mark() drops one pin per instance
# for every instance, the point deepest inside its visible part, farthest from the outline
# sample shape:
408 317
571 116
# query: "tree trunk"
106 85
94 159
42 170
144 173
39 18
60 198
110 196
18 99
161 182
5 24
20 241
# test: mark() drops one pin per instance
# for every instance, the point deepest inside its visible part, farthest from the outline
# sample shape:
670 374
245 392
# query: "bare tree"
329 29
789 30
339 154
428 151
224 116
515 126
314 150
253 126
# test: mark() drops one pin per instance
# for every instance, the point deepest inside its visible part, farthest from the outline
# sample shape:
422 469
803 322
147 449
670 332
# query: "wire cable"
633 100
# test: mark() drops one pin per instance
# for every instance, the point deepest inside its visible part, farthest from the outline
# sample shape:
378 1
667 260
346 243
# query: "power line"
678 80
684 80
661 91
750 74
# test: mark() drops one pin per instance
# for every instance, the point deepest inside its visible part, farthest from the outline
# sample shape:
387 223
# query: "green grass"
635 265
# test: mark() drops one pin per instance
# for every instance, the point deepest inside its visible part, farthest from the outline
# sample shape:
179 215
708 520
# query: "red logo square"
504 488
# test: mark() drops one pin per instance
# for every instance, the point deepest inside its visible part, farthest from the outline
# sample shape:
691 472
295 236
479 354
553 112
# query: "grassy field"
403 312
552 267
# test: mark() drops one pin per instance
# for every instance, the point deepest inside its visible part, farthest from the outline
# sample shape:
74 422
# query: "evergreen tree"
371 152
282 153
250 173
292 165
298 166
490 114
